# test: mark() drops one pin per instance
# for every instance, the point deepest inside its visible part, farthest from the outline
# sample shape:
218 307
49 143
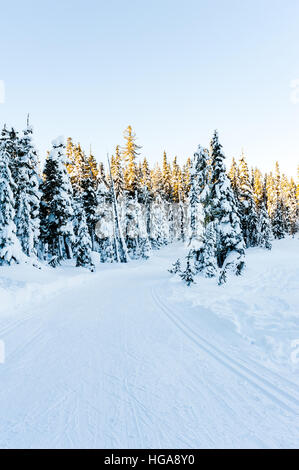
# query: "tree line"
122 209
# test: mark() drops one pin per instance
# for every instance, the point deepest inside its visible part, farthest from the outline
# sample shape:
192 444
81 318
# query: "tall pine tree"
230 247
10 248
57 206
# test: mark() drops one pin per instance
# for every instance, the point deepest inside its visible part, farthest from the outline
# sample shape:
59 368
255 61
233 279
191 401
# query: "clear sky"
174 70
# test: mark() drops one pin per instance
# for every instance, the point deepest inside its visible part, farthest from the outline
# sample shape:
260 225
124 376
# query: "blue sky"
173 70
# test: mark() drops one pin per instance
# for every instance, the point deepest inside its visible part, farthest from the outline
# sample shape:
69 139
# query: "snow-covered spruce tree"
176 267
182 222
105 240
230 246
159 230
278 222
208 255
89 198
194 197
259 192
27 200
12 146
83 244
56 211
293 210
156 181
117 172
176 181
233 175
247 207
270 194
264 229
188 274
198 195
146 198
202 243
75 159
133 223
129 229
120 247
279 225
144 246
166 179
130 152
186 179
10 248
170 220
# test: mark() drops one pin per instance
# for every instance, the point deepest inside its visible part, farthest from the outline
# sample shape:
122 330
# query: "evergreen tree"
27 198
105 236
57 206
199 191
230 247
258 188
159 229
264 229
146 176
177 181
176 267
120 247
75 163
233 175
157 181
83 245
10 248
182 221
101 174
134 228
247 207
186 181
278 210
93 167
12 146
166 178
130 153
203 237
70 157
89 198
278 221
117 173
293 210
199 206
188 275
271 195
208 254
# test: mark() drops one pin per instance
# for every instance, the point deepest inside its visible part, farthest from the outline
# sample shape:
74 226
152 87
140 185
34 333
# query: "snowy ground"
129 357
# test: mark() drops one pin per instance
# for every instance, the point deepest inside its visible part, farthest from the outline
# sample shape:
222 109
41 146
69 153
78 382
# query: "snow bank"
23 285
262 305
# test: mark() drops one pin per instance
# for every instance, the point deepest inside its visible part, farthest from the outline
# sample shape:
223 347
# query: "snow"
261 305
58 141
130 357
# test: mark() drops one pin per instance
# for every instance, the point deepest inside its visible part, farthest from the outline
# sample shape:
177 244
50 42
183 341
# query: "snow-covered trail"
115 361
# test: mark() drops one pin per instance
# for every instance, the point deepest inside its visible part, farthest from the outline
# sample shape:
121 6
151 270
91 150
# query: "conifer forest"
123 209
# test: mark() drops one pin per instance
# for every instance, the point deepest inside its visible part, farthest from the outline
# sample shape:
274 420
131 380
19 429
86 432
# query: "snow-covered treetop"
58 142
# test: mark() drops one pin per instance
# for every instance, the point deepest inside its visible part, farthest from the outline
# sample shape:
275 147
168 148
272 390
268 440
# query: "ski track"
114 362
282 398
